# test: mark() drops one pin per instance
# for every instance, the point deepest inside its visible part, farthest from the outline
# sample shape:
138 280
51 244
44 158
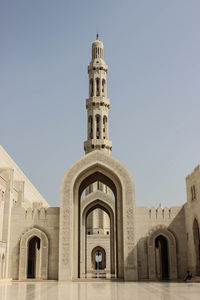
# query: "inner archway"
33 269
98 217
196 235
101 184
161 253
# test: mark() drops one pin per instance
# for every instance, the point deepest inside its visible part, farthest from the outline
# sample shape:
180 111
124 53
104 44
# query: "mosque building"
98 231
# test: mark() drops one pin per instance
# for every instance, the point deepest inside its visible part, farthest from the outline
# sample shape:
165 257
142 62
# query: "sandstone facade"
98 228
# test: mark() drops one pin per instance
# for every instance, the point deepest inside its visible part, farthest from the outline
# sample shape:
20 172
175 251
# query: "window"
97 87
103 87
193 192
91 88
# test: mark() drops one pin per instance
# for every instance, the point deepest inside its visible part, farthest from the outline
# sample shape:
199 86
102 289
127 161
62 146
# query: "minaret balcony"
97 144
97 101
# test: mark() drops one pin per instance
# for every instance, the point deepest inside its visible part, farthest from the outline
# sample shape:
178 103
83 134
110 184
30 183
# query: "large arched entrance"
96 166
196 236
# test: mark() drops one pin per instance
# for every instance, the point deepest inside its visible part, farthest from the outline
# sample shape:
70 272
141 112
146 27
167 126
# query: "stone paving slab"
98 290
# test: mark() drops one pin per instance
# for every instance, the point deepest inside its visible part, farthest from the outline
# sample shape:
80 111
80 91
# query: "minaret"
97 104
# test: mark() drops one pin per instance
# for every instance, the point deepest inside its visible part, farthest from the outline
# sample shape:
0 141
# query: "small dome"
97 42
97 49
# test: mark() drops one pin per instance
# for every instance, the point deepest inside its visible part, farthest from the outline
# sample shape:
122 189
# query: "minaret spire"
97 104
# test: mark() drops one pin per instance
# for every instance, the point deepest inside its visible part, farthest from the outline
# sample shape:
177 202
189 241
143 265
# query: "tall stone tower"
97 104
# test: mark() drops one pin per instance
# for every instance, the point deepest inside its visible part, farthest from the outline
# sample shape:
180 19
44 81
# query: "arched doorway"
161 253
34 258
97 166
98 258
196 236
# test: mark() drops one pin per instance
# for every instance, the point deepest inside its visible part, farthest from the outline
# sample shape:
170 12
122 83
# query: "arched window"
103 87
193 192
97 87
104 127
90 128
98 120
91 88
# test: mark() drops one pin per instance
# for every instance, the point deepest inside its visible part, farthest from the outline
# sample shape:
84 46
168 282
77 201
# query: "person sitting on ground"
188 276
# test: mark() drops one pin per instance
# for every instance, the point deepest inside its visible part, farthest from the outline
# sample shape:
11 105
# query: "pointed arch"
98 126
93 253
91 87
104 87
97 86
99 200
171 251
105 127
95 166
24 248
90 127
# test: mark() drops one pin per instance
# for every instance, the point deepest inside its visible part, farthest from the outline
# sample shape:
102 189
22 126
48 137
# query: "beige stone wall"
31 194
192 213
22 208
16 192
47 220
168 219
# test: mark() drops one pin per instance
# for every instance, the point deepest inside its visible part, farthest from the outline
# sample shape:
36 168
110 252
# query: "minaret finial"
97 36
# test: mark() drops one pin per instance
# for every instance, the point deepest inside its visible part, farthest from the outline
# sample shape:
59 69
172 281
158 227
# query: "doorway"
197 245
33 269
161 259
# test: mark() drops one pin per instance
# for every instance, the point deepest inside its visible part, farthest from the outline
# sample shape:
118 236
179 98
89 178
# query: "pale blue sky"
152 49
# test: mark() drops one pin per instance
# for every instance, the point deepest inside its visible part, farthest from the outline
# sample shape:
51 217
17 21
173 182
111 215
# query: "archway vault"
93 166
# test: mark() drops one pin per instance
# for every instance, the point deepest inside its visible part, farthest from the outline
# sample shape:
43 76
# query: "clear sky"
152 49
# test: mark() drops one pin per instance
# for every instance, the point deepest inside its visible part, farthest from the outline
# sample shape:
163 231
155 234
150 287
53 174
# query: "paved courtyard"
98 290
